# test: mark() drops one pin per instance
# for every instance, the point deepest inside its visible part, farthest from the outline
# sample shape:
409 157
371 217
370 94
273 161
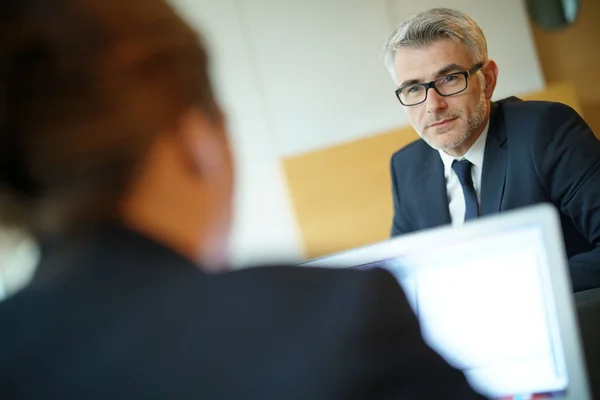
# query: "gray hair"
428 26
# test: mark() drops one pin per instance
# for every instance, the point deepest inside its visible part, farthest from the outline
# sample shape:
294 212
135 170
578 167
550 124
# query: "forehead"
423 63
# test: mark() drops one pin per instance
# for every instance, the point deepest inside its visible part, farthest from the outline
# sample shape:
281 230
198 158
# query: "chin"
451 141
445 144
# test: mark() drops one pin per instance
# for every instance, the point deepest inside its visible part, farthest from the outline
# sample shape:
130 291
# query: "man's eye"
449 79
414 89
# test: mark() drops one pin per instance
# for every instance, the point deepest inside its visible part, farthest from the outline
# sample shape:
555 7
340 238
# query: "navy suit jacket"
535 152
123 317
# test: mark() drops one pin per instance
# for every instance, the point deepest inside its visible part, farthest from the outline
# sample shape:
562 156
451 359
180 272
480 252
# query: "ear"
204 143
490 72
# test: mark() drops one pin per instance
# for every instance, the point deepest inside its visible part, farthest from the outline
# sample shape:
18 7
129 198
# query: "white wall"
319 63
320 68
301 75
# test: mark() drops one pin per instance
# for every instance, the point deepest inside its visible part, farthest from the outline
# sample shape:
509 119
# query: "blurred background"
314 120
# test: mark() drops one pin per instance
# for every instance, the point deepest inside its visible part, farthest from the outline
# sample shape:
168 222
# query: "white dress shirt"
456 198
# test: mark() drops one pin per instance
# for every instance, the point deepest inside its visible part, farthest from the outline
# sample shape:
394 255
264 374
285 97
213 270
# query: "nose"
435 102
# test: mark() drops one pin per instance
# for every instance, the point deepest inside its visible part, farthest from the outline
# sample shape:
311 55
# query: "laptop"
493 298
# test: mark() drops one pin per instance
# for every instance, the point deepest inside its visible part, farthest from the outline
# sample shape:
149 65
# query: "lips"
442 122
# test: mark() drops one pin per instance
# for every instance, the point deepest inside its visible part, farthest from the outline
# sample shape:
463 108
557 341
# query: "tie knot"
463 171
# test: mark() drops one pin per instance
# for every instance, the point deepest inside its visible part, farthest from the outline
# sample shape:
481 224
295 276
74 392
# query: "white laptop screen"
486 305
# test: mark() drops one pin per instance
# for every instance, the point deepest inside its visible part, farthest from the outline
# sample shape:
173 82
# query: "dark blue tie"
463 170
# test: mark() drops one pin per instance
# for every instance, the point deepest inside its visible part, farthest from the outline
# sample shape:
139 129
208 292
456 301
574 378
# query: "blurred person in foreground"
114 155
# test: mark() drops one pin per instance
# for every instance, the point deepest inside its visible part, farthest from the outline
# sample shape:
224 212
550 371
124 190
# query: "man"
114 154
477 157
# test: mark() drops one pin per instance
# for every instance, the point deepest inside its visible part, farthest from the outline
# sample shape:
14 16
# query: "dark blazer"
588 315
122 317
535 152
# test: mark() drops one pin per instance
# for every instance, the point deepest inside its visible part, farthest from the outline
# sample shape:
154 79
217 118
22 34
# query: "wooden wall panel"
573 54
341 195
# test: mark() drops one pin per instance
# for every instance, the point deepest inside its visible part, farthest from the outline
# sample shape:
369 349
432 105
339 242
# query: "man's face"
445 123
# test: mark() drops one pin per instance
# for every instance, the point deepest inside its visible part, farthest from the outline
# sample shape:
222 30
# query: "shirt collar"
474 154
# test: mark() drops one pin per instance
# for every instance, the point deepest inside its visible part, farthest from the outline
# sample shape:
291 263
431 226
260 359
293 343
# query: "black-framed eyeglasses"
447 85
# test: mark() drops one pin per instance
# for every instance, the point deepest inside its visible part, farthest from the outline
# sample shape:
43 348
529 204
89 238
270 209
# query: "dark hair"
85 87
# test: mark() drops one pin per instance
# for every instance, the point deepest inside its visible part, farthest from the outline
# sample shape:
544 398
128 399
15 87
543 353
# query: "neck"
171 215
162 227
169 202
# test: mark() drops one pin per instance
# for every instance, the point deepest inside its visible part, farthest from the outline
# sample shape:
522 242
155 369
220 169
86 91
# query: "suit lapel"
433 196
494 164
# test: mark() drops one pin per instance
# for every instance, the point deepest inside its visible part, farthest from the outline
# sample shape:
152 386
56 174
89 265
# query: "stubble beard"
466 131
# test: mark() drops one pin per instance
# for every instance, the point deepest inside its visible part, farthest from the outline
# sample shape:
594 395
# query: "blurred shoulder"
289 275
285 281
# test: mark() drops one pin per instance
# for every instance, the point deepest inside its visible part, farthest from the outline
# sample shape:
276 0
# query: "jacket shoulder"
292 278
533 108
527 121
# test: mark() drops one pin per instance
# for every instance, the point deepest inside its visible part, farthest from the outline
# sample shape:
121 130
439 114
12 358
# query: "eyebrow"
448 68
